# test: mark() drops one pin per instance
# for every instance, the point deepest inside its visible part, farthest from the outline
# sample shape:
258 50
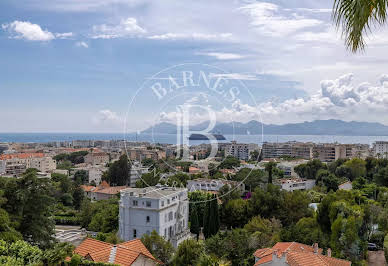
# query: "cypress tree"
206 219
194 222
214 222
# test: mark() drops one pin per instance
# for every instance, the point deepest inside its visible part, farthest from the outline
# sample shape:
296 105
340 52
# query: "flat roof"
153 192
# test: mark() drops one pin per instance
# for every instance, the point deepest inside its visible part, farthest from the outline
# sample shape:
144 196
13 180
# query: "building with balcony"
159 208
241 151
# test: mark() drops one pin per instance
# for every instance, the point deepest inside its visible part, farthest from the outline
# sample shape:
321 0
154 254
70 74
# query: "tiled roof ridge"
93 239
333 258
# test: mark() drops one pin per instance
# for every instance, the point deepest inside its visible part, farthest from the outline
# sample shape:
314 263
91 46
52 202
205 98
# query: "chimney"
329 252
315 248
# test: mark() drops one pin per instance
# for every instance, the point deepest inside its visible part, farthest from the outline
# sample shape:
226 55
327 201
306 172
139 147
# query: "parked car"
372 246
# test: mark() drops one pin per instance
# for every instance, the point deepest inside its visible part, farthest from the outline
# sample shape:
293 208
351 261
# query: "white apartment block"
292 184
44 164
325 152
159 208
241 151
137 170
17 166
380 149
213 185
291 148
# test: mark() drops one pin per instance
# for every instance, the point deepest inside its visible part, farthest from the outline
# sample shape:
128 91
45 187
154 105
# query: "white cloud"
27 30
268 20
107 117
223 56
64 35
316 10
82 44
327 36
237 76
338 99
193 36
126 28
32 32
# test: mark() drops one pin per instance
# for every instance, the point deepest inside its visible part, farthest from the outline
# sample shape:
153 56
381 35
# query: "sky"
76 66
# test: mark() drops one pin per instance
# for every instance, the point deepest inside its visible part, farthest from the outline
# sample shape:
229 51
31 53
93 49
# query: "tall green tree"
35 207
269 167
158 246
211 222
118 173
194 222
188 253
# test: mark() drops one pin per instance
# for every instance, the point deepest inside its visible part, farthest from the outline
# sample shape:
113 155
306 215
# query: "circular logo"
190 114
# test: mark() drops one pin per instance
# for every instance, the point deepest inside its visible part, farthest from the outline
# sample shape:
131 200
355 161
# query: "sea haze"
172 138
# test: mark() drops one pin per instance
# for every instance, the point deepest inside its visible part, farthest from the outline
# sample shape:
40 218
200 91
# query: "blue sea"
172 139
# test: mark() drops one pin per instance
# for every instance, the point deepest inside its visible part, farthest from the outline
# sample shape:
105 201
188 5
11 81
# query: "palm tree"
355 18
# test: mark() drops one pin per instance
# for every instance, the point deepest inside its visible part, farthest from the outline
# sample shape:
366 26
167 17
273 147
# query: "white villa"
159 208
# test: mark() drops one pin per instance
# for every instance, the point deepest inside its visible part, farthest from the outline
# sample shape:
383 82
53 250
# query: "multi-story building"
82 143
159 208
241 151
213 185
137 170
95 172
380 149
325 152
2 167
97 158
15 164
139 154
328 152
3 147
287 149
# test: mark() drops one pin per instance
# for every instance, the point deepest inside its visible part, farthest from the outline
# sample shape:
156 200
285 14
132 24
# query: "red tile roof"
124 253
90 245
87 188
297 254
21 156
111 190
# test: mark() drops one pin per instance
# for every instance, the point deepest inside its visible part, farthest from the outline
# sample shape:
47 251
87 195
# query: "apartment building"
159 208
380 149
139 154
241 151
3 147
16 164
82 143
213 185
95 172
326 152
137 170
291 149
97 158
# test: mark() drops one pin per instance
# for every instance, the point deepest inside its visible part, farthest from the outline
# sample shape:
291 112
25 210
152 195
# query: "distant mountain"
317 127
